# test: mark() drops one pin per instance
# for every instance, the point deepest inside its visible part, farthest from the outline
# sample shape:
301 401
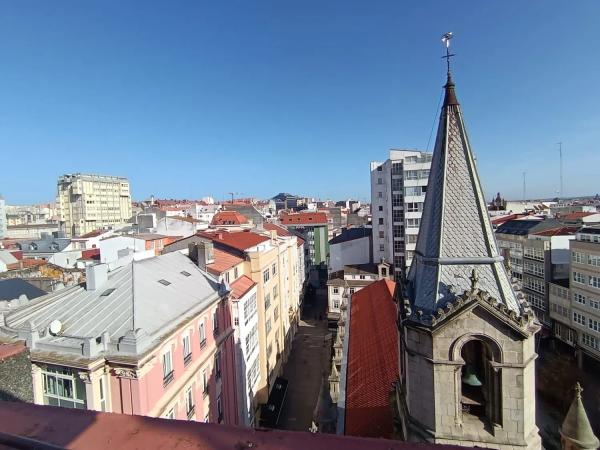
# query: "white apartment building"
89 202
398 188
575 308
3 220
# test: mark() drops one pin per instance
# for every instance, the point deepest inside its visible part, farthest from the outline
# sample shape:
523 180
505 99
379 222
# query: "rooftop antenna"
561 192
446 40
524 186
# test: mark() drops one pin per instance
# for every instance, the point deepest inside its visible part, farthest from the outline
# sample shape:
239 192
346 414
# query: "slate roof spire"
576 427
456 241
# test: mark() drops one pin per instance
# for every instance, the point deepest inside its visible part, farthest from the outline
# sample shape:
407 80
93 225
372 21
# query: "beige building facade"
89 202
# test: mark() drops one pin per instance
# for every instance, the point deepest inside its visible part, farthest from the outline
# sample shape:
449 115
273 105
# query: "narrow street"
308 359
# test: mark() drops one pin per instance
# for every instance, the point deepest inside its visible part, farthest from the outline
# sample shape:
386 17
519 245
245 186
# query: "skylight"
187 274
165 282
107 292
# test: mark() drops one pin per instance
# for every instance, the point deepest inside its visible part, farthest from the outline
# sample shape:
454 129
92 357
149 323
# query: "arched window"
479 380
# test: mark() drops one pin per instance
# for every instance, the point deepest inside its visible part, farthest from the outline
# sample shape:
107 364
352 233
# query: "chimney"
273 234
96 276
202 253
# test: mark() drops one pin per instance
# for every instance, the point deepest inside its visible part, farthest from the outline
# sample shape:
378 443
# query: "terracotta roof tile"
304 219
229 218
559 231
239 240
241 286
372 361
577 215
223 261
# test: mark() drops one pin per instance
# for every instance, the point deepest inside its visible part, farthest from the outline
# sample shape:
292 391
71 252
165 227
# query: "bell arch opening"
479 381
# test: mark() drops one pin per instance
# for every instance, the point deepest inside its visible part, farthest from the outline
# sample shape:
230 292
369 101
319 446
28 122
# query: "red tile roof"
241 286
559 231
577 215
304 219
10 349
150 236
91 234
82 429
239 240
281 231
223 261
372 361
229 218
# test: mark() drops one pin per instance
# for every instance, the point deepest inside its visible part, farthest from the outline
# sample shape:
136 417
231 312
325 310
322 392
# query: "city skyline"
229 87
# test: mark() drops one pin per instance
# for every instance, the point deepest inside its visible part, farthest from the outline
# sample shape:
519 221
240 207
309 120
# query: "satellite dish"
55 327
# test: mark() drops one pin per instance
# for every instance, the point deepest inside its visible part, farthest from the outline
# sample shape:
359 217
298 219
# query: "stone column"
38 384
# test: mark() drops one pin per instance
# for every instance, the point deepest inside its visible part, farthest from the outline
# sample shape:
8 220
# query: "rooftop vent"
55 327
164 282
184 273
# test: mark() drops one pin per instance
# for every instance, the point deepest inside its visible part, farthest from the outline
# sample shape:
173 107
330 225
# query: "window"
397 200
578 318
336 290
235 273
275 292
381 234
227 277
414 190
218 365
534 284
269 350
268 326
397 215
379 168
62 387
189 402
411 238
351 291
381 247
413 223
414 207
593 325
594 281
266 275
336 304
164 282
380 220
397 184
380 194
102 394
594 303
578 277
577 257
252 340
274 269
202 334
107 292
276 314
362 277
185 274
167 364
187 351
249 308
216 321
398 230
579 298
594 260
380 208
590 341
253 374
379 181
536 269
397 169
267 301
204 383
220 408
170 414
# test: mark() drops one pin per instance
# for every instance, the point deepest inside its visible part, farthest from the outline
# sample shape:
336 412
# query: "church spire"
456 242
576 430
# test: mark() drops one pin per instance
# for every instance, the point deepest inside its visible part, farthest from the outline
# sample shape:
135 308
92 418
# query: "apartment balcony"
168 378
191 412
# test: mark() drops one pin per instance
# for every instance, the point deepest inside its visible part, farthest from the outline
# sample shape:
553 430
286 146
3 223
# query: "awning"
270 412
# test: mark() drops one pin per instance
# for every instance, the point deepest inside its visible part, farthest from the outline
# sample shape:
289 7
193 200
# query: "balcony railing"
187 359
168 378
203 343
205 391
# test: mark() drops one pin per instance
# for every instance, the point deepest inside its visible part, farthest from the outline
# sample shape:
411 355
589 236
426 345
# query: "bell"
470 379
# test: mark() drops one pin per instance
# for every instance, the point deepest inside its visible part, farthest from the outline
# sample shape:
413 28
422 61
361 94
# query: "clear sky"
193 98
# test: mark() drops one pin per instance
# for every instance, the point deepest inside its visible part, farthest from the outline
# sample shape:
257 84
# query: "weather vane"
446 40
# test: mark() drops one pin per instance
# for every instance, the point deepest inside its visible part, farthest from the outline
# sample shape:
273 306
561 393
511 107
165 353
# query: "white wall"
109 248
356 251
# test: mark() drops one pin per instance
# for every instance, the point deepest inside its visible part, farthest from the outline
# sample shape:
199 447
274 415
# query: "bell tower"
467 354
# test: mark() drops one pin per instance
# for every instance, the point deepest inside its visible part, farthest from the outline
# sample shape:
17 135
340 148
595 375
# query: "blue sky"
194 98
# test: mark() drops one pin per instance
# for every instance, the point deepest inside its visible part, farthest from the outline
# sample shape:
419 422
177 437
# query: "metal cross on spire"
446 40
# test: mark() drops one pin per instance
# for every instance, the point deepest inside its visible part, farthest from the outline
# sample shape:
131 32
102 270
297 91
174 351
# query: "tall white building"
398 188
3 223
89 202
